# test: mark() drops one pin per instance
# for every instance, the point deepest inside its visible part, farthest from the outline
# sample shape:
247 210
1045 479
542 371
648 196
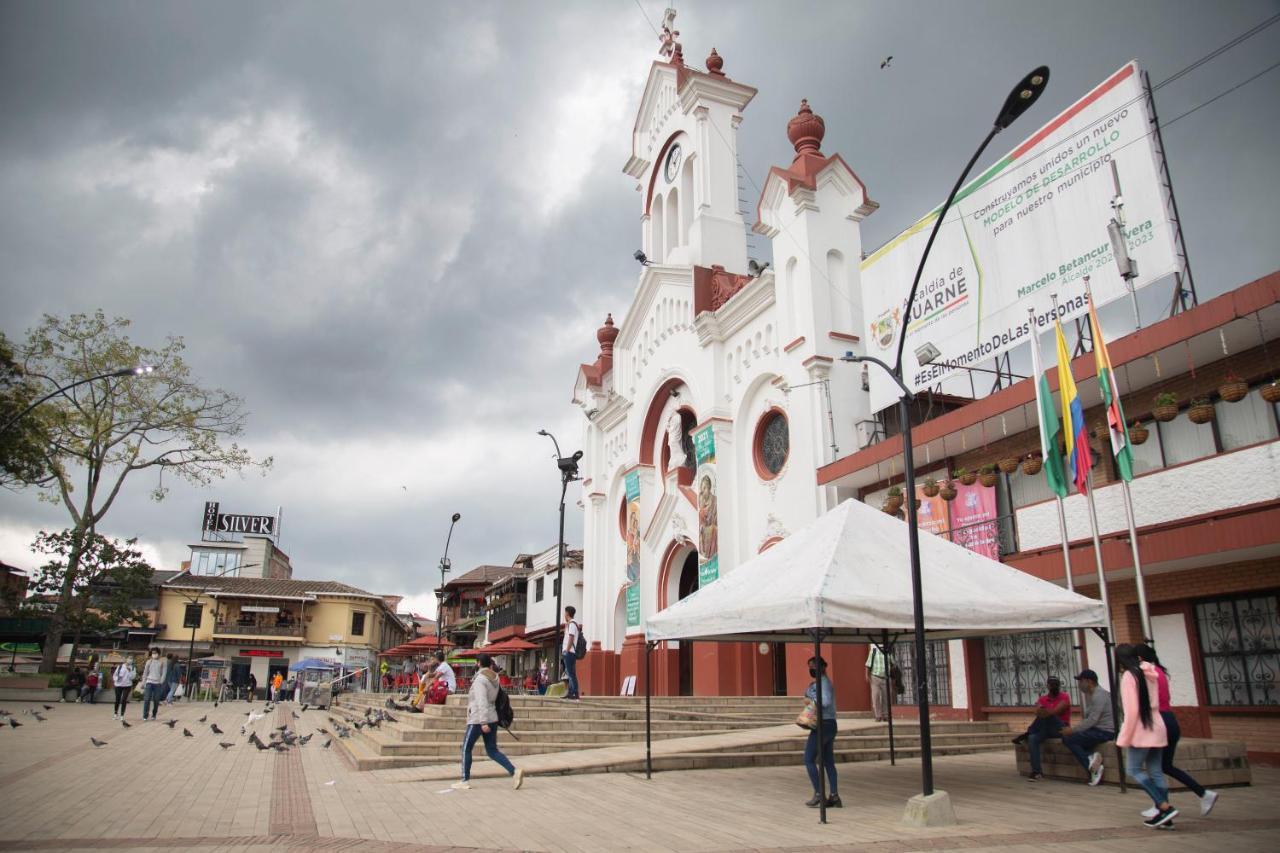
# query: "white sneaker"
1094 760
1150 813
1207 801
462 785
518 779
1095 775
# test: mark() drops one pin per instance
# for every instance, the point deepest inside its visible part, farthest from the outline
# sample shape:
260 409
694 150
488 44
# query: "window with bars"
538 587
937 672
1240 649
1018 665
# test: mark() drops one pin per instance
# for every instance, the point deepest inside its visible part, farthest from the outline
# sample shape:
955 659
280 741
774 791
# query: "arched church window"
772 444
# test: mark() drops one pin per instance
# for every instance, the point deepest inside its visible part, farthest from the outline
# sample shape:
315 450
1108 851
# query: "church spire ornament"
668 47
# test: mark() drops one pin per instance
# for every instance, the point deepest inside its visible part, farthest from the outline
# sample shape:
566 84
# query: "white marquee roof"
849 572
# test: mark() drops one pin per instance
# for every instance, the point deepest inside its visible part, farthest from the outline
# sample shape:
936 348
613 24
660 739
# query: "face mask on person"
813 672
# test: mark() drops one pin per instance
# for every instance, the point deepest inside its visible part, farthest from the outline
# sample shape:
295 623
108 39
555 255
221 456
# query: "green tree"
99 434
109 580
22 460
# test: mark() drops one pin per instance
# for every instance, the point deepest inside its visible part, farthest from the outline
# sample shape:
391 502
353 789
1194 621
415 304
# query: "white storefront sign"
1027 230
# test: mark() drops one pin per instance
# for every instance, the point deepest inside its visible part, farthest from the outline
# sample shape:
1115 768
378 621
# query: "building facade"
708 409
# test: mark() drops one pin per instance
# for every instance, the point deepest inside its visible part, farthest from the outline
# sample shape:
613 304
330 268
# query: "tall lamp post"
140 370
445 567
568 466
1019 100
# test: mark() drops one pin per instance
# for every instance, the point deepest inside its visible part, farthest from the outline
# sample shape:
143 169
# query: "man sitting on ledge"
1097 727
1053 714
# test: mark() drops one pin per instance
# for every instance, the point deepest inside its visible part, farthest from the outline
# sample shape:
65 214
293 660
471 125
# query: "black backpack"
506 715
580 647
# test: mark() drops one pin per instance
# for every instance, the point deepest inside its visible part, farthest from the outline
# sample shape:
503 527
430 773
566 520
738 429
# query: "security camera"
927 353
641 257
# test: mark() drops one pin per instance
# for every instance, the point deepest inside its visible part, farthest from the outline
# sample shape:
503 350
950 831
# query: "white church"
708 409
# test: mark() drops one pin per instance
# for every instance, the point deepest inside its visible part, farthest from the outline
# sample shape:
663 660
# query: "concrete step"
721 760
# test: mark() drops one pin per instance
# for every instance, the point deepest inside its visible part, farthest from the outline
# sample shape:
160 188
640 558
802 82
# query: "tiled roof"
264 586
484 575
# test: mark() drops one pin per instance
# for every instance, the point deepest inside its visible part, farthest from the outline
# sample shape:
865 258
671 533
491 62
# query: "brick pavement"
152 789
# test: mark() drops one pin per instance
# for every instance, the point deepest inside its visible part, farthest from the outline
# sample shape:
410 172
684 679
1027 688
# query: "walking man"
569 651
153 681
482 722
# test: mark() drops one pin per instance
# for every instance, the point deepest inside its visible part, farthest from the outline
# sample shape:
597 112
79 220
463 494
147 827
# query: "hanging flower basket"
930 488
1166 408
966 478
1032 465
1201 411
893 501
1138 433
1233 389
948 491
1271 392
1008 465
987 476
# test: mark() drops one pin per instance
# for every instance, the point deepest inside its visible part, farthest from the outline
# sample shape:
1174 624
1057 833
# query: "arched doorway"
688 584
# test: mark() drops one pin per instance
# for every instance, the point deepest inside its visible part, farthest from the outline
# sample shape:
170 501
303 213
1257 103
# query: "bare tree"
103 431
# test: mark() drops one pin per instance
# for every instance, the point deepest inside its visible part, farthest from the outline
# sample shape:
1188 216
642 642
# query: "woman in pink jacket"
1142 734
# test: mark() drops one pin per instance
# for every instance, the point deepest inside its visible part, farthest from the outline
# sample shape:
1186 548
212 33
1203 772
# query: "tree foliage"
22 459
97 435
108 580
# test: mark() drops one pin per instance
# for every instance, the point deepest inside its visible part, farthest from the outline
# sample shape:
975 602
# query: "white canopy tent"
846 578
849 573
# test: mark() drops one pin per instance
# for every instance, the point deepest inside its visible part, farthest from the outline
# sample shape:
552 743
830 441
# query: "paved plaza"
152 788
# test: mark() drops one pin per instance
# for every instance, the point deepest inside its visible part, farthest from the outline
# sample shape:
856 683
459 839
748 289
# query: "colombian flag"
1073 428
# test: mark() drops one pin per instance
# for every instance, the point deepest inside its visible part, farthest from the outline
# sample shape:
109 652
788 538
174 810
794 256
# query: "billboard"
1026 230
704 451
632 532
217 522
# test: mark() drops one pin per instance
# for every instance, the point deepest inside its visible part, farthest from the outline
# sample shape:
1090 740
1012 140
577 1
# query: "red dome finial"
606 335
715 63
806 130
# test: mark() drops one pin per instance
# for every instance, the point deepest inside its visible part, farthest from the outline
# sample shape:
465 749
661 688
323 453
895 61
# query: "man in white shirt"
569 649
877 674
443 670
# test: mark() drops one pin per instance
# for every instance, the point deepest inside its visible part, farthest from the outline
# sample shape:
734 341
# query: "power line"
1202 60
1269 68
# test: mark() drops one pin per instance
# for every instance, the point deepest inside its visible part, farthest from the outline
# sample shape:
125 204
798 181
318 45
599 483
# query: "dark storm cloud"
393 228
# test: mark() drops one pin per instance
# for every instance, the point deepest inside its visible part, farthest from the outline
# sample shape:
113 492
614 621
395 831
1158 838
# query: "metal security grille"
1019 664
937 672
1240 647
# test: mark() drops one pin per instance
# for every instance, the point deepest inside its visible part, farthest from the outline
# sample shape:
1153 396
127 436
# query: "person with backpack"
574 647
483 719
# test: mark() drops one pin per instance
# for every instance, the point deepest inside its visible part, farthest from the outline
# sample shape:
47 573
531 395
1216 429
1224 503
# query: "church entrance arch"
687 586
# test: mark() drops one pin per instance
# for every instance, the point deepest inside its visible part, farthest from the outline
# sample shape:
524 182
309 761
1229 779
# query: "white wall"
1197 488
1174 648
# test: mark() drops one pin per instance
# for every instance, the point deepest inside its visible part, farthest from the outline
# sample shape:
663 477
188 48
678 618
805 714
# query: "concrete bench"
1213 763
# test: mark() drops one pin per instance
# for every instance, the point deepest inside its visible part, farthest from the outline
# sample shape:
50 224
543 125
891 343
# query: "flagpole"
1062 514
1143 612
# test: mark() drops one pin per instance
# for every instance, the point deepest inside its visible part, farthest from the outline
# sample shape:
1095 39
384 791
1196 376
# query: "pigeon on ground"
305 739
39 719
389 718
4 713
327 743
47 707
279 747
282 728
260 745
170 723
304 706
202 719
322 730
186 733
96 742
13 724
242 730
213 727
125 723
225 745
295 715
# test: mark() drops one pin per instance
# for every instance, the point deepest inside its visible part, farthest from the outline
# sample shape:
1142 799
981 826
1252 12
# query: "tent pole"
888 696
817 682
648 725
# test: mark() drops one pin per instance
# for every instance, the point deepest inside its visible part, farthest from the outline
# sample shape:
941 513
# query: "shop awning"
514 645
183 646
260 640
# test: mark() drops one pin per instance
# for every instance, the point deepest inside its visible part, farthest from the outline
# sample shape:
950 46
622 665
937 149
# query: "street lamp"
140 370
568 466
1020 99
445 566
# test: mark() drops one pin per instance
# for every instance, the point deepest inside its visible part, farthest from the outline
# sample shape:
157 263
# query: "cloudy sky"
393 228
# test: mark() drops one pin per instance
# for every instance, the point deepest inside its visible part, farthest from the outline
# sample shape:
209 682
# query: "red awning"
515 644
431 641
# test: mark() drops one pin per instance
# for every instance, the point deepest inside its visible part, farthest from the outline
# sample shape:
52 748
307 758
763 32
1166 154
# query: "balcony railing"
260 630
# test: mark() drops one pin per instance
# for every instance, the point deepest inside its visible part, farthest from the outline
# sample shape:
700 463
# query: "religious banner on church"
973 520
704 450
1024 233
632 521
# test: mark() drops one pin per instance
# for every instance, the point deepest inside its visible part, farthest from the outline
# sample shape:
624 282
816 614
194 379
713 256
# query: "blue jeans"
1143 764
1041 730
571 670
151 696
828 756
469 739
1085 742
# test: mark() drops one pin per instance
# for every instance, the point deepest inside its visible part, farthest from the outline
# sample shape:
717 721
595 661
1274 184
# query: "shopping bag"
808 718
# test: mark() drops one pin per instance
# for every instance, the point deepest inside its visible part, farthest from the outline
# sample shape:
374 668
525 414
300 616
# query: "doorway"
277 665
687 586
779 651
